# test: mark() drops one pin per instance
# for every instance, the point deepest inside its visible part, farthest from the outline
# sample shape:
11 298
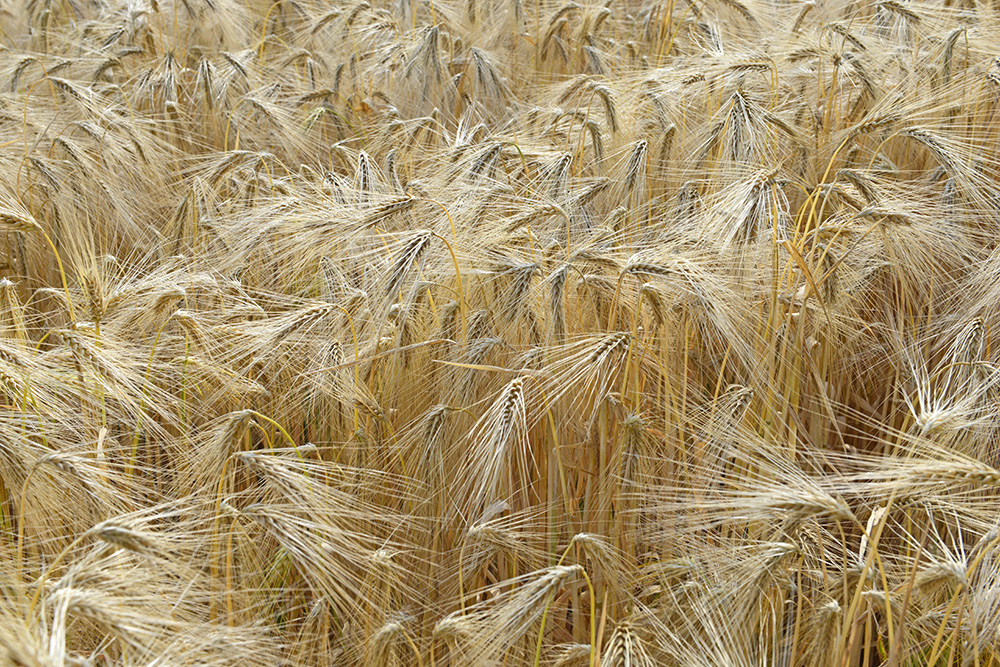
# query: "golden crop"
490 333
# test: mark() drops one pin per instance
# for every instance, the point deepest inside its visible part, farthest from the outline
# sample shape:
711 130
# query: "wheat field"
493 333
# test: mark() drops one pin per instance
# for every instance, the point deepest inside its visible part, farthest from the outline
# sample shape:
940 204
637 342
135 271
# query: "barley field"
499 333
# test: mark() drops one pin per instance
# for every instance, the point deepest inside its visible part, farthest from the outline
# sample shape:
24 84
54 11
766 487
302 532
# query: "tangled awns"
499 333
